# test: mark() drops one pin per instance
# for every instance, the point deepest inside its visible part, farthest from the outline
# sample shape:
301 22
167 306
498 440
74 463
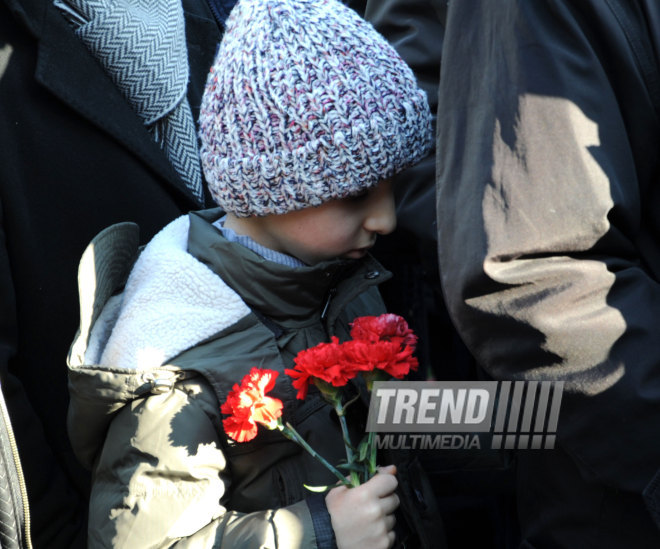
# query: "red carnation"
388 356
323 362
386 327
248 405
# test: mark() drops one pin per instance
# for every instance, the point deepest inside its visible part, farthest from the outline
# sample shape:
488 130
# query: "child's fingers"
390 521
383 484
387 469
389 504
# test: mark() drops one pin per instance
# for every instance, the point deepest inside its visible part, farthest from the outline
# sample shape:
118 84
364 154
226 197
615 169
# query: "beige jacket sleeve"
162 474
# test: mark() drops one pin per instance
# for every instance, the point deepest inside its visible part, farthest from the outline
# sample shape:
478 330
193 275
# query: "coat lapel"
69 71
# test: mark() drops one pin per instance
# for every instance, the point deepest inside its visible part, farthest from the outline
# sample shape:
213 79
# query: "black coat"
74 158
474 488
549 239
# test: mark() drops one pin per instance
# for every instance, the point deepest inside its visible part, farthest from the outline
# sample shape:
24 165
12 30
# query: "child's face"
344 228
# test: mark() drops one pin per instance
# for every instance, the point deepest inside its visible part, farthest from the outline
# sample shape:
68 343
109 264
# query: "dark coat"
74 158
473 487
549 235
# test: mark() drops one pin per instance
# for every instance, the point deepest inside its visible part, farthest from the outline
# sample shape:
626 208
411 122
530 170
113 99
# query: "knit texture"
306 103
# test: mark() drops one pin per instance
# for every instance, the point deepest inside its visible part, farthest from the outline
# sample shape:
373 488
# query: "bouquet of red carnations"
380 347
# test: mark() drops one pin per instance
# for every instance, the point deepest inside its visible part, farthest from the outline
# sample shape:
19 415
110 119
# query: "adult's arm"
547 163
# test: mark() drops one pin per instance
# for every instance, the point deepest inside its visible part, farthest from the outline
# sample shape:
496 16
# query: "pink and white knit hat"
306 103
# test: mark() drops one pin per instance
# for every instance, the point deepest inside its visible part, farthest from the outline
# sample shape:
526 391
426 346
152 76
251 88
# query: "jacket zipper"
372 278
331 293
19 474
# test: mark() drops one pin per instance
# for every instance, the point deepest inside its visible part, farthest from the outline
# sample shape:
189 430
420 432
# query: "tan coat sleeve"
160 478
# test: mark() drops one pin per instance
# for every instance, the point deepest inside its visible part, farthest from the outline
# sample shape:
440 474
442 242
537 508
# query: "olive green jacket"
152 364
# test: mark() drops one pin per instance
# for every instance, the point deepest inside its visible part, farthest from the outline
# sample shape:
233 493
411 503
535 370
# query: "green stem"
355 477
289 432
351 402
371 453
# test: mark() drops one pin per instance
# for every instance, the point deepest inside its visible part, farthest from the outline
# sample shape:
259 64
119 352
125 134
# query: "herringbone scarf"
142 46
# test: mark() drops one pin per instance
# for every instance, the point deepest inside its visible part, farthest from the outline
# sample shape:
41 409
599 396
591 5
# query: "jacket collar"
68 70
283 294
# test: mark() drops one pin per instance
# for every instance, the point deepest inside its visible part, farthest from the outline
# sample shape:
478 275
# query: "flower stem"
371 454
355 477
289 432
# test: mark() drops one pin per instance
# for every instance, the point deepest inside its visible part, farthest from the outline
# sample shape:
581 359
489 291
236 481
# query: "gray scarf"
142 46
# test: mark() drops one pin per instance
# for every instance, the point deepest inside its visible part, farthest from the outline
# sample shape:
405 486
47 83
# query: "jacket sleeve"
162 474
547 148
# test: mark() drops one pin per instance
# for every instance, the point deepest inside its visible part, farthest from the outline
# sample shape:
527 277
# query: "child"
306 114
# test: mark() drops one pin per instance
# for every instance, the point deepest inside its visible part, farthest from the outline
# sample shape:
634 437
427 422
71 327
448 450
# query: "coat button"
372 274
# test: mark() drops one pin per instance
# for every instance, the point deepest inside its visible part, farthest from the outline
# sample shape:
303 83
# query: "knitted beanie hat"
306 103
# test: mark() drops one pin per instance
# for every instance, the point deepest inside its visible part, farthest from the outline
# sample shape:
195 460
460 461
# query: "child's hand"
364 516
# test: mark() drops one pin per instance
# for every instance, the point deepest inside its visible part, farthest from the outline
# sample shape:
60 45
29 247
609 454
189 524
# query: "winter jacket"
149 371
74 158
549 239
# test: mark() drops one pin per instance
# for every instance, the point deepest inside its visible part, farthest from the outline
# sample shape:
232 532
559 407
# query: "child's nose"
381 216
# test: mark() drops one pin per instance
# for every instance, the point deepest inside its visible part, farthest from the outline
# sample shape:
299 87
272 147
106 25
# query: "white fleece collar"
171 302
